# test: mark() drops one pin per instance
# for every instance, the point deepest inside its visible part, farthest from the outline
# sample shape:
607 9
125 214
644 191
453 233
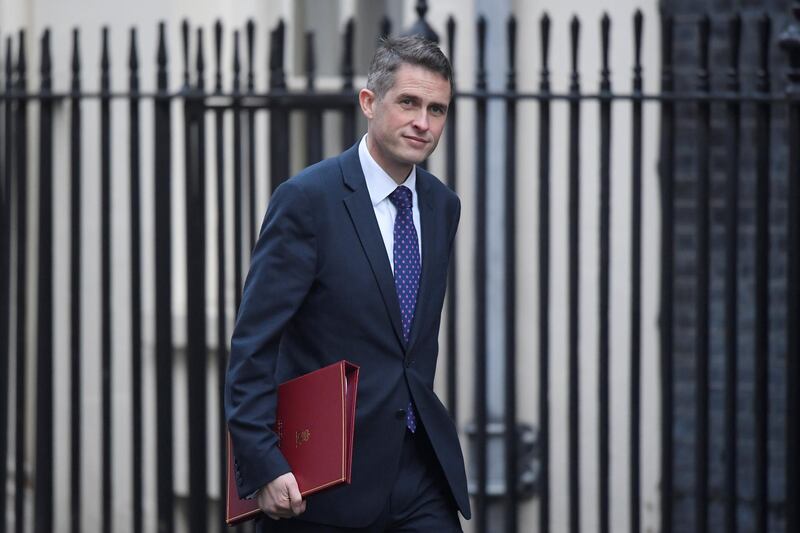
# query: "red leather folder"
314 423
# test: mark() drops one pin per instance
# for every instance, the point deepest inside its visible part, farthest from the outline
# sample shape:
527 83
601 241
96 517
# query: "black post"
667 179
452 278
44 502
76 242
313 115
196 293
163 297
635 501
105 221
252 222
348 114
702 266
544 279
222 254
761 333
279 130
5 280
510 349
481 459
136 290
21 164
790 41
604 279
574 285
238 156
731 278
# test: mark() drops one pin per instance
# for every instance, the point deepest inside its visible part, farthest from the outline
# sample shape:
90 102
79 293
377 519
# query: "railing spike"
605 73
237 65
511 28
105 62
46 63
347 53
185 43
218 56
251 38
200 61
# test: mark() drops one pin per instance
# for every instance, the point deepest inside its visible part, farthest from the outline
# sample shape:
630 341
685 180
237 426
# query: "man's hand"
280 498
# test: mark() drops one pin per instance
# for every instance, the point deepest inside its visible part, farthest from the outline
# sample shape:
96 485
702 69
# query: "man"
351 264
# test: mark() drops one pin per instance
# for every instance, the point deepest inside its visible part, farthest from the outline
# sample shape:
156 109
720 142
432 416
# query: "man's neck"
399 173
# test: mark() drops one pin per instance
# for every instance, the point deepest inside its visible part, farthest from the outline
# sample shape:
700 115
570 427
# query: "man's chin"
418 156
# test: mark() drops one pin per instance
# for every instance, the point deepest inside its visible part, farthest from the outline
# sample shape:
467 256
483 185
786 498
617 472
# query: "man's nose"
421 121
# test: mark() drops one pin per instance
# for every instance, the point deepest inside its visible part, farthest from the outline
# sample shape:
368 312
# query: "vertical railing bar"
222 253
510 400
5 282
279 126
76 242
385 27
481 459
666 176
43 501
544 278
703 257
136 290
105 223
251 139
348 115
452 311
731 277
604 273
790 41
313 116
238 156
574 285
636 280
21 162
761 323
196 300
163 298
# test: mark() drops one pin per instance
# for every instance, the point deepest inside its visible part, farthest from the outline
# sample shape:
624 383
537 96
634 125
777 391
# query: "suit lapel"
359 206
429 234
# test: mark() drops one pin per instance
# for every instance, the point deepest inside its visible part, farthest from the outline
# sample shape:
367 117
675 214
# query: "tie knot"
401 197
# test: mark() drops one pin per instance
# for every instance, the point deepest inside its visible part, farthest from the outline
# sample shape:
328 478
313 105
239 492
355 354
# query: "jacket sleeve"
281 272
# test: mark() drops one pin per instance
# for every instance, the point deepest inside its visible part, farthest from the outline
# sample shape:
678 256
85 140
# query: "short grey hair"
393 52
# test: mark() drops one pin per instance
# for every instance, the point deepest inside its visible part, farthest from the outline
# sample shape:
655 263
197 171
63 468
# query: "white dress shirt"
380 185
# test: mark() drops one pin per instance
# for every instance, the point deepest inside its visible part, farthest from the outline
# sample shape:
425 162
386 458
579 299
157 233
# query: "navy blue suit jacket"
321 289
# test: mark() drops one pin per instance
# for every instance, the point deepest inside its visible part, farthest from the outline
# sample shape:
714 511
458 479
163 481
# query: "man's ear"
366 99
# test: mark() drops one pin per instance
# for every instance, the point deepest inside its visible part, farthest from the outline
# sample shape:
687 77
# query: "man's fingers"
296 501
281 498
298 507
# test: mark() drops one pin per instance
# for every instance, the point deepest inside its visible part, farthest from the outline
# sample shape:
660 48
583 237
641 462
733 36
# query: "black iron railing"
205 111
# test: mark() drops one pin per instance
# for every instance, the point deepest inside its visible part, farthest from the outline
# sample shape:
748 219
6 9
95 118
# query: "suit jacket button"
400 413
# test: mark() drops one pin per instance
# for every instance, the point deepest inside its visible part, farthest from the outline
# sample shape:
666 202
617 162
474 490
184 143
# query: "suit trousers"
419 502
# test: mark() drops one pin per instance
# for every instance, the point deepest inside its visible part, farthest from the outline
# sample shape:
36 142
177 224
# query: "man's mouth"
416 139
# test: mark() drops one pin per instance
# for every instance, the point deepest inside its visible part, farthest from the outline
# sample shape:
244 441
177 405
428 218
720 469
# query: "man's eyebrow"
415 98
410 96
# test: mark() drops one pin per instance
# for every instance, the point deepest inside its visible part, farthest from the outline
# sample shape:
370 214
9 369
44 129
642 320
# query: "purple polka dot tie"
406 270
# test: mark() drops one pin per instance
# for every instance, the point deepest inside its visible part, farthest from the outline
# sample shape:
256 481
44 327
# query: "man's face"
406 123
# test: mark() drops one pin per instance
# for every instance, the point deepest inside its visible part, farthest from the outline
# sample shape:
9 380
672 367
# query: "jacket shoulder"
318 176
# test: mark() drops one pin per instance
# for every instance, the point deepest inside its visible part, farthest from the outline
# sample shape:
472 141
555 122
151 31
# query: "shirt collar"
379 183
